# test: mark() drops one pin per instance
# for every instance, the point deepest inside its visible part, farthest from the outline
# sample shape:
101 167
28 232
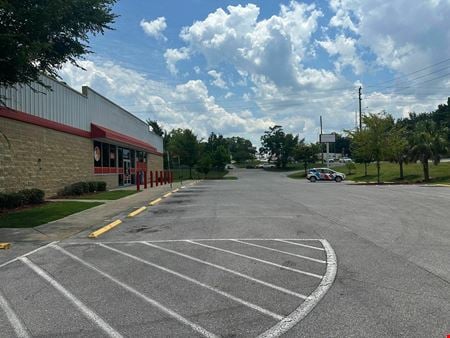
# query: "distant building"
51 138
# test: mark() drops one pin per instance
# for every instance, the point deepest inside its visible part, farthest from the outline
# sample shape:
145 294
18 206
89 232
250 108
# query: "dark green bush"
80 188
76 189
92 186
14 200
101 186
3 198
33 196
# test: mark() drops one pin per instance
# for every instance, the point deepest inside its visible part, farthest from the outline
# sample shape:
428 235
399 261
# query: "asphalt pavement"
263 255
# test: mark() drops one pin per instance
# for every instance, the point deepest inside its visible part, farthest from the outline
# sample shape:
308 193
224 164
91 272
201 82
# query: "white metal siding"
60 104
64 105
107 114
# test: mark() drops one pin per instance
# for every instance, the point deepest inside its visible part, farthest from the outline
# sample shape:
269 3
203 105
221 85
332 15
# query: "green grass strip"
31 217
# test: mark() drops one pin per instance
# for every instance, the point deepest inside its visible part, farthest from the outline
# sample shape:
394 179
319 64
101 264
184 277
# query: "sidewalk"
93 217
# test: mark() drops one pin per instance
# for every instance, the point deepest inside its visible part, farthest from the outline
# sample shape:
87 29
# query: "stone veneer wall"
154 162
64 158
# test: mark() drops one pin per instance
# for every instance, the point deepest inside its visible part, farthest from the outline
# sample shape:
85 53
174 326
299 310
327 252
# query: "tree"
220 157
241 150
38 36
399 147
204 164
306 153
184 143
374 141
428 142
157 129
278 145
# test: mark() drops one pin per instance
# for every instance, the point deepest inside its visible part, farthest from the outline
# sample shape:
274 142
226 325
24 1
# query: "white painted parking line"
257 260
88 313
299 244
192 280
153 302
16 323
27 254
302 311
270 285
280 251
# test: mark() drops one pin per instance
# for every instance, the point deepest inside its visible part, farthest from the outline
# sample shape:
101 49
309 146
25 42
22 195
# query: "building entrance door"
126 172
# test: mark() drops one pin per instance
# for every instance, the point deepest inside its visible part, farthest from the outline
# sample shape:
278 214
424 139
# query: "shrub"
76 189
92 186
101 186
14 200
33 196
3 198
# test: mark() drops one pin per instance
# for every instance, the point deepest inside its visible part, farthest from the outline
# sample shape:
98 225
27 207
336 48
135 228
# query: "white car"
345 160
268 165
324 174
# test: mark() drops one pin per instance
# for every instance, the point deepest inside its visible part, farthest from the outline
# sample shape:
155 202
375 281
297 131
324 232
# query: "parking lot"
264 255
171 288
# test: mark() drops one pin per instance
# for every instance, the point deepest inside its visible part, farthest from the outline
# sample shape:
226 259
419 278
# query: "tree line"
182 147
420 138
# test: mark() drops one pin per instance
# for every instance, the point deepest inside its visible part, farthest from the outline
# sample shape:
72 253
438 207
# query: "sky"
236 68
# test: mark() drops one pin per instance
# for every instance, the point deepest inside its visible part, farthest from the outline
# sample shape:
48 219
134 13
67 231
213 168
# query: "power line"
408 74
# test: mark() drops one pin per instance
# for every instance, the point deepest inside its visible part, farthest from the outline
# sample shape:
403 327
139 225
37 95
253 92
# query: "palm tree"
428 142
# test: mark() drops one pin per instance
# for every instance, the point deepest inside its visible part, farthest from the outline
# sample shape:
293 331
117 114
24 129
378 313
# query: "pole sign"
327 138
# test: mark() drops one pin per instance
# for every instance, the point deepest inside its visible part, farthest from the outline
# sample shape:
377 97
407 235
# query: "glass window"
112 156
97 154
120 151
105 154
126 154
133 159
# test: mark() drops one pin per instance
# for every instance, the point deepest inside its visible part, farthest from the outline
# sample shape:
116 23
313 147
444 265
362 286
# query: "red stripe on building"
39 121
102 132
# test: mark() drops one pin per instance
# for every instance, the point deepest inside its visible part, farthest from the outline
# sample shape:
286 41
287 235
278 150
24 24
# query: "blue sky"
237 67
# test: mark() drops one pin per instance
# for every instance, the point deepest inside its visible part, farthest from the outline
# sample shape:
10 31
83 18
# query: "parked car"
345 160
229 166
268 165
324 174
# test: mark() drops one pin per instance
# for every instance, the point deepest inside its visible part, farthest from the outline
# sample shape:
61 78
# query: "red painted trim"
102 132
41 122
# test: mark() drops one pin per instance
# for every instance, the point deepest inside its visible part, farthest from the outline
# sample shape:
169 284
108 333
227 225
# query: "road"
254 256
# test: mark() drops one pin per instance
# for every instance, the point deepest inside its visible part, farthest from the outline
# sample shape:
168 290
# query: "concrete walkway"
25 239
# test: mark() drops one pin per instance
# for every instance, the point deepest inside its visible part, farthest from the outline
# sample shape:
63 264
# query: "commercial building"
52 138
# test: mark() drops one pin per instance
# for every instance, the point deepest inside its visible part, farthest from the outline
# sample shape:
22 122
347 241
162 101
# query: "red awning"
102 132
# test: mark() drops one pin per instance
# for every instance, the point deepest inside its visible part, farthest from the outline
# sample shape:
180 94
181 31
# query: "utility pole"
321 132
360 112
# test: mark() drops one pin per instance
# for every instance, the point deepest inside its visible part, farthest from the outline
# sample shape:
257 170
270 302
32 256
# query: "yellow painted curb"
5 246
175 190
104 229
136 212
167 195
155 201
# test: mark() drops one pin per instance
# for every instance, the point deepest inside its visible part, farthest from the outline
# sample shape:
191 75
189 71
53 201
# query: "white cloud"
404 35
217 79
187 105
272 48
155 27
345 48
172 56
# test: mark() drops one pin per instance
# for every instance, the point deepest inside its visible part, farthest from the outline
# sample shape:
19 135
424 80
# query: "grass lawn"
106 195
31 217
390 172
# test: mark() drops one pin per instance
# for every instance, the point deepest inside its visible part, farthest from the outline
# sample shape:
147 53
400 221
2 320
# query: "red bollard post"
156 178
145 179
138 181
161 177
151 179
